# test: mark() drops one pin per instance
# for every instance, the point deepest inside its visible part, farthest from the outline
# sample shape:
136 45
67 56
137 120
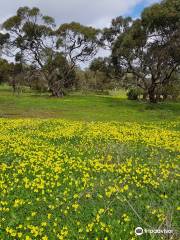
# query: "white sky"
97 13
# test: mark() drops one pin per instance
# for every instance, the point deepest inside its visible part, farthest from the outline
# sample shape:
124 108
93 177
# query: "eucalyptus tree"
150 47
55 51
31 37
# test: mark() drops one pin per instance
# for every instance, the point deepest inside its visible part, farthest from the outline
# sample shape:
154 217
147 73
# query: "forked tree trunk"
57 93
57 90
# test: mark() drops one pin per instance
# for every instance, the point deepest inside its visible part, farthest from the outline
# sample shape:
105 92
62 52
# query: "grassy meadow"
87 167
84 107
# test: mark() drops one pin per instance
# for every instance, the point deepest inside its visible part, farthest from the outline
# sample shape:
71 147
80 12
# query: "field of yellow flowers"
73 180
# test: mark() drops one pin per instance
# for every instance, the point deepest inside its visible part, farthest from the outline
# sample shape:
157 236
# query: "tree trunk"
151 93
57 91
56 85
58 94
145 96
14 85
14 88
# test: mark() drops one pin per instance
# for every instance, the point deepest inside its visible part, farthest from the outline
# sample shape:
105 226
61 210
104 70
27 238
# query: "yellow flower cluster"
75 180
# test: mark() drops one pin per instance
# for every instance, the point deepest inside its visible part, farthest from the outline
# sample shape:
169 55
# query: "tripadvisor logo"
139 231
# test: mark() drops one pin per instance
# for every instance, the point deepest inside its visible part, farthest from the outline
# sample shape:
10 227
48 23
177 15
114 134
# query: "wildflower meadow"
62 179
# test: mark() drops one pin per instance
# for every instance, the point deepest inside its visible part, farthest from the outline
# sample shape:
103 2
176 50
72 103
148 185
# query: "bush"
133 94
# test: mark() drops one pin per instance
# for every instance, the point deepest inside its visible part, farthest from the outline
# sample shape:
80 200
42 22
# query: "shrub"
133 94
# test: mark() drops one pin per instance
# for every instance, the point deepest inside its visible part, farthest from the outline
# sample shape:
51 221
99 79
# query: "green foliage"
149 48
133 94
3 39
163 17
89 33
4 71
49 20
60 72
118 26
163 20
99 64
12 23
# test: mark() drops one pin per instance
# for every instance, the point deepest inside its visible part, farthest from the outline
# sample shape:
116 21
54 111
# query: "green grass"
84 107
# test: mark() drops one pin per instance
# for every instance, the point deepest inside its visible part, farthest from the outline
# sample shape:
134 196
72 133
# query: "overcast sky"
96 13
